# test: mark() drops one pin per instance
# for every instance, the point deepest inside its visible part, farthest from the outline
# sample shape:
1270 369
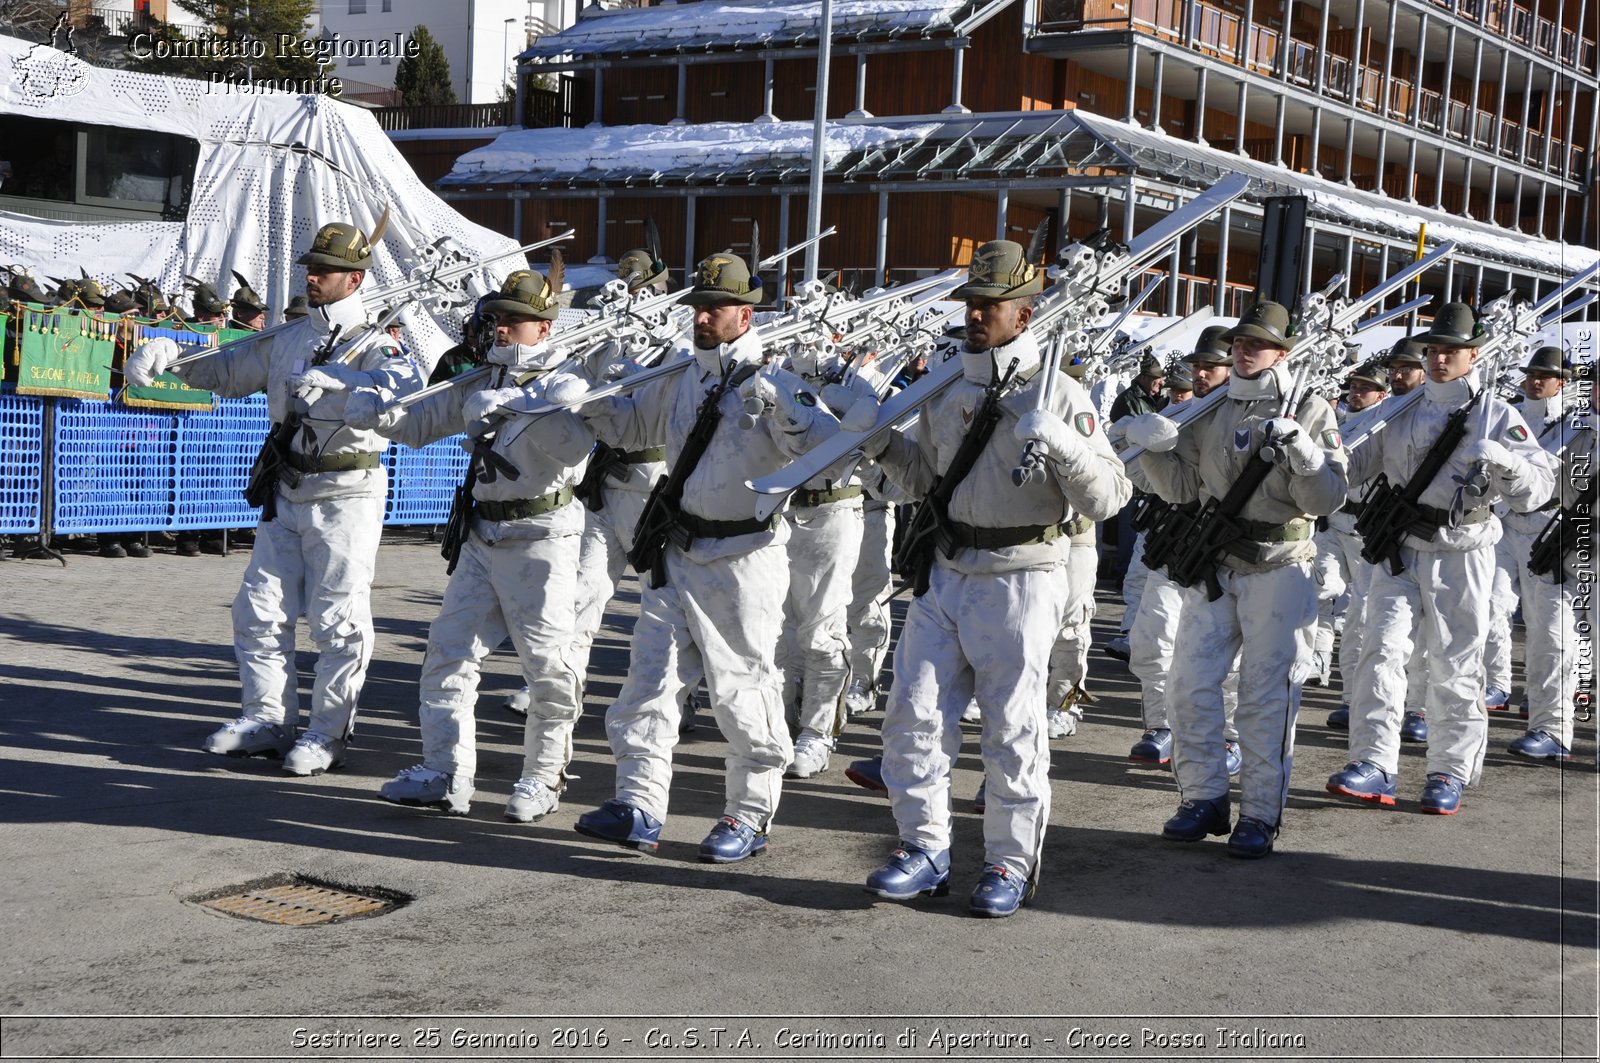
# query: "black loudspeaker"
1283 248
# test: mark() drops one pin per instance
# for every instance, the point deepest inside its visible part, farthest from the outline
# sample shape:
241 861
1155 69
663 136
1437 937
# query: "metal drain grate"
301 902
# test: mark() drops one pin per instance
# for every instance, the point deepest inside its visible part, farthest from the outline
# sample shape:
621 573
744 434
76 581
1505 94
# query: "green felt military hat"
1549 359
640 269
1373 372
1455 325
1212 348
245 298
1266 320
1179 376
526 293
24 289
339 245
298 307
1408 350
724 278
206 300
1000 270
120 302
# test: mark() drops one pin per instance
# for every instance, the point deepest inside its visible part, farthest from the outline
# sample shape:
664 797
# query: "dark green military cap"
338 245
1000 270
526 293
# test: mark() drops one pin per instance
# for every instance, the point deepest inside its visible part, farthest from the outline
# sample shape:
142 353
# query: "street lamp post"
505 52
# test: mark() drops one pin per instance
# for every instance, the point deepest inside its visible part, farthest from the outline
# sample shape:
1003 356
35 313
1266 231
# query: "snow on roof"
995 145
1362 210
531 156
739 23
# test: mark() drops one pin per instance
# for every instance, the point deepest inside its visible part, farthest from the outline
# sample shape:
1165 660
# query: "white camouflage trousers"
1268 619
1342 551
1134 582
868 620
814 649
1440 603
518 587
607 536
1550 645
315 559
986 637
719 619
1150 645
1069 657
1503 600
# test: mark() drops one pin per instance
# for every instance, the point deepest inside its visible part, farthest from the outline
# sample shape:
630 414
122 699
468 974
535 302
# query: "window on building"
358 60
101 168
358 7
388 6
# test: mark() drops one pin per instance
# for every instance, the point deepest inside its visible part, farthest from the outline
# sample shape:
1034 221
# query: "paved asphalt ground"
1369 934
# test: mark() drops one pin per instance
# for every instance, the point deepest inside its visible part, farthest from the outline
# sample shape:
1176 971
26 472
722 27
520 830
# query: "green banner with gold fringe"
65 353
166 392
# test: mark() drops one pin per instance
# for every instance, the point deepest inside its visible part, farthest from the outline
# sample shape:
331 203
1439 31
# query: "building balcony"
1224 35
1221 29
1522 26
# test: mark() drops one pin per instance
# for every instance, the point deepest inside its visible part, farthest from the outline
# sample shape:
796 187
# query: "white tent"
273 167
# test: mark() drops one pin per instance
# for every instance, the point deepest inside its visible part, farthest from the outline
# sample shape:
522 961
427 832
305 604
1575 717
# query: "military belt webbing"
521 508
360 459
823 497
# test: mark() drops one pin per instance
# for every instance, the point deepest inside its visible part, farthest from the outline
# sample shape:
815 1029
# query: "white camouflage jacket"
548 452
987 497
665 409
1212 452
1399 449
268 362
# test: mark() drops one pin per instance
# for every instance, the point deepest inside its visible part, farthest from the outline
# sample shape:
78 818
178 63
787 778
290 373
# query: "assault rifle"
658 522
1215 529
272 460
1567 527
459 524
1389 512
929 531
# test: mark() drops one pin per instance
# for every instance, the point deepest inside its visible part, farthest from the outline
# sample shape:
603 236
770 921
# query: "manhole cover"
293 900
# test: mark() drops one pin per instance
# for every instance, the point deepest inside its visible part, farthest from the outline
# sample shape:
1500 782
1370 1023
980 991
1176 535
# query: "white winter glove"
564 389
332 377
841 397
1494 454
759 392
363 408
1292 447
1151 431
620 370
480 404
1066 446
141 368
1117 432
861 415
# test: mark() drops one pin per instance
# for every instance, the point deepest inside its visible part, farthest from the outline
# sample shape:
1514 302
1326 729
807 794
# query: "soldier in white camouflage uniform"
1340 547
1267 606
985 625
317 545
715 605
516 570
1440 596
1551 645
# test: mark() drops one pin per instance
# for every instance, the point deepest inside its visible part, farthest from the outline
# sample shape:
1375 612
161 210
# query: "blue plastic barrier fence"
21 463
116 469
